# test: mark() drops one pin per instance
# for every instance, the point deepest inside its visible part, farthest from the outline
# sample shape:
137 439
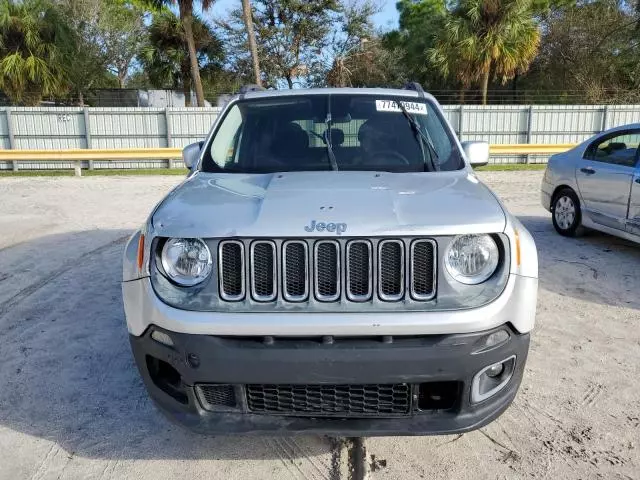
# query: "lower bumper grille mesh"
330 400
212 396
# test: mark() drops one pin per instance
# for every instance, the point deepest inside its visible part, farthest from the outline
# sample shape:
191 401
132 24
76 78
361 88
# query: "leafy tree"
165 56
589 53
106 40
185 8
121 29
291 36
371 64
33 34
482 39
420 22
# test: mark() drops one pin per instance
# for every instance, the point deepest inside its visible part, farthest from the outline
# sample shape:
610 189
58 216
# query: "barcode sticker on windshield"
392 106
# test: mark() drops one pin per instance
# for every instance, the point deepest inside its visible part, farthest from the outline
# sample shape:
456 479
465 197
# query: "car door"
604 176
633 224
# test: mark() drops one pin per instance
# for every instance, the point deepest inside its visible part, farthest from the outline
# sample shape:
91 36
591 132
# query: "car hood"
366 203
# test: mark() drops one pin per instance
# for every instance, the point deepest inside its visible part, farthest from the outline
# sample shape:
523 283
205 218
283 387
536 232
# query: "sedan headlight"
186 261
472 259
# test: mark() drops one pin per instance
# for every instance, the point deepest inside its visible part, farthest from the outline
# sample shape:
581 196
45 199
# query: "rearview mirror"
477 153
191 154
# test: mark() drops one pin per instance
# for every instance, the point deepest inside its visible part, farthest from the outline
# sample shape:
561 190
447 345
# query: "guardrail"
119 154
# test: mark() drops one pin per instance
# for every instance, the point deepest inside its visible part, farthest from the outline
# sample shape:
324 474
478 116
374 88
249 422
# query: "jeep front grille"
347 270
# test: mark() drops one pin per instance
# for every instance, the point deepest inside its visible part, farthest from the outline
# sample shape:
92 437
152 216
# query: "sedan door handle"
588 170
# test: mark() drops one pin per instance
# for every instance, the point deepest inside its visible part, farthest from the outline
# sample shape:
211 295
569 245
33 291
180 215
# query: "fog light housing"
491 379
491 341
162 337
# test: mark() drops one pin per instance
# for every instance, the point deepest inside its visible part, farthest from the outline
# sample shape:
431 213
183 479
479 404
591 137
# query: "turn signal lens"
140 251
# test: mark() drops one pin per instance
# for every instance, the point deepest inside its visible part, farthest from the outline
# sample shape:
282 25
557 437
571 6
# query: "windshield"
332 132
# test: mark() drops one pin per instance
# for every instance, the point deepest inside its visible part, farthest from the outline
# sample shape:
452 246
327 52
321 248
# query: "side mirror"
477 153
191 154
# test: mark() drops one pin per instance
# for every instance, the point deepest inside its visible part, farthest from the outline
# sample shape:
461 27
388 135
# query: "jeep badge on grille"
338 228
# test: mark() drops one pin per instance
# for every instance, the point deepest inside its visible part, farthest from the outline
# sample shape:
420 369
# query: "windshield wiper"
423 139
327 141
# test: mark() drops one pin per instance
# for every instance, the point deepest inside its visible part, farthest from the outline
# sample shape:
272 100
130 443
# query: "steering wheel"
383 157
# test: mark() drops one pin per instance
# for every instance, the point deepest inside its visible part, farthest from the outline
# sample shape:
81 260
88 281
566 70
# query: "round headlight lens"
471 259
186 261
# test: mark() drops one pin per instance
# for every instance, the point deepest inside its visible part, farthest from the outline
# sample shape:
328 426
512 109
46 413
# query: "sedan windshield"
332 132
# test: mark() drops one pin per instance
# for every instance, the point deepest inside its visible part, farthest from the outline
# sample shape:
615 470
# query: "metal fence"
87 128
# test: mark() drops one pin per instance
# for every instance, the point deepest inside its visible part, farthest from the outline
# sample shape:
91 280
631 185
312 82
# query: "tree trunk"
186 16
461 94
186 83
80 98
248 23
485 85
289 81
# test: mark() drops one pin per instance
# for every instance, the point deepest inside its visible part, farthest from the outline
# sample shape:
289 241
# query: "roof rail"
252 87
416 87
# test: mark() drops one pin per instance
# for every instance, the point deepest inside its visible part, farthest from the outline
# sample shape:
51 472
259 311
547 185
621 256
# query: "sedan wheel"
566 213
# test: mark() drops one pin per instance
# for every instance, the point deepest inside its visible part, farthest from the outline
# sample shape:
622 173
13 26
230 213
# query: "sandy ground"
72 404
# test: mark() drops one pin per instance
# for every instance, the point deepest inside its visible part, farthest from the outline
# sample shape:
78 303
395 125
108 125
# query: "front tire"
566 215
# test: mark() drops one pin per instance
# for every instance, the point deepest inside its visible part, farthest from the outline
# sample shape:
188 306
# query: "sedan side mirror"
477 152
191 154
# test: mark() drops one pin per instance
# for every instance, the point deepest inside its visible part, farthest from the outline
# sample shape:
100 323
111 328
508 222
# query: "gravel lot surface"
72 404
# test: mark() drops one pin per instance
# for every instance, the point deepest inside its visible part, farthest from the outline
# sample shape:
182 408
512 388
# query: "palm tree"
185 8
32 39
165 57
482 39
247 16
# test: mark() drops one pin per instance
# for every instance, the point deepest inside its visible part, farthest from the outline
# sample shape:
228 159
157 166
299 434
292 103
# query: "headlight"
471 259
186 261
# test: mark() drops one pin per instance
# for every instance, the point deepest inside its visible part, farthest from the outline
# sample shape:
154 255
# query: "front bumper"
516 305
410 360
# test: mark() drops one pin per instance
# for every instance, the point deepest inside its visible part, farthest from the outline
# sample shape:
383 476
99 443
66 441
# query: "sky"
387 19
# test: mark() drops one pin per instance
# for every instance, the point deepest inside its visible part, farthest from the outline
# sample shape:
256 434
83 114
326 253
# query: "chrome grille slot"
423 270
359 278
391 270
231 266
327 270
295 266
263 271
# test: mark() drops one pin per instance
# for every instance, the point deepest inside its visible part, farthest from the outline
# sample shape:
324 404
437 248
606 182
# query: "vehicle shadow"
67 374
596 267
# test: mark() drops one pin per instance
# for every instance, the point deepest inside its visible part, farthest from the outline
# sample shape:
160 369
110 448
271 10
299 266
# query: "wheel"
567 219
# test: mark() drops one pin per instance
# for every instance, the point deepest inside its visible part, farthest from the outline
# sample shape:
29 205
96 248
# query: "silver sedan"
596 185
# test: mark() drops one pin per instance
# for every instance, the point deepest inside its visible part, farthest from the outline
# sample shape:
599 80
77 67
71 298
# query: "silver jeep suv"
331 265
